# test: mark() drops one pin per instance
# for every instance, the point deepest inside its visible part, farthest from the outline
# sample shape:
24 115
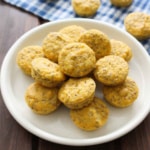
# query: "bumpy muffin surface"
53 43
138 24
77 92
121 49
91 117
73 31
42 100
98 41
46 72
77 59
111 70
26 55
122 95
85 8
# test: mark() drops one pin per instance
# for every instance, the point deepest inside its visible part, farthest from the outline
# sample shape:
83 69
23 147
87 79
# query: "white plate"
58 127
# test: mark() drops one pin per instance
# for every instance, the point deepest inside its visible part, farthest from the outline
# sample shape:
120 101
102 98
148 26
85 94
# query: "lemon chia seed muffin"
98 41
53 43
91 117
121 3
77 59
85 8
46 72
138 24
26 55
121 49
73 31
122 95
42 100
111 70
77 92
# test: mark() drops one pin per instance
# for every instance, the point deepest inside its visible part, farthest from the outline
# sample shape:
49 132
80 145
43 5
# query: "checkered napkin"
61 9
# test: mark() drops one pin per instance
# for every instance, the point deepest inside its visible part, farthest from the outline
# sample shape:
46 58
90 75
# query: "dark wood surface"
13 23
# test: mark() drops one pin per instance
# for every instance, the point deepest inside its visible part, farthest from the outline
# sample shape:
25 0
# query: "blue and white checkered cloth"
61 9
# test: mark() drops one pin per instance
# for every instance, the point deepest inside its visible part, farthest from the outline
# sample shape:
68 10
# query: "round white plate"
58 127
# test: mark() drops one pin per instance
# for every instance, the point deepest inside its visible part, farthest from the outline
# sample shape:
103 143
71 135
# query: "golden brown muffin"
111 70
77 92
98 41
138 24
77 60
46 72
26 55
121 3
91 117
53 44
121 49
85 8
73 31
42 100
122 95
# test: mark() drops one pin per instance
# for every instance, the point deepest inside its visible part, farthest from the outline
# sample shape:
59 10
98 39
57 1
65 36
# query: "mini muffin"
121 49
122 95
26 55
91 117
42 100
77 59
53 43
121 3
85 8
138 24
73 31
77 92
111 70
98 41
46 72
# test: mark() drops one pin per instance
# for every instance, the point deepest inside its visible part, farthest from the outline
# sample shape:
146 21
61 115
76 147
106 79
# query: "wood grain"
15 22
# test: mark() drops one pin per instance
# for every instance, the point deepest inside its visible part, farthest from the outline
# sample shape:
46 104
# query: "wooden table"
13 23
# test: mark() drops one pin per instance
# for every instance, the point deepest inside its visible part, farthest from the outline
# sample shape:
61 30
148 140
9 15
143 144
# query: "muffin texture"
91 117
98 41
121 49
73 31
42 100
53 43
26 55
85 8
47 73
111 70
77 92
122 95
76 59
138 24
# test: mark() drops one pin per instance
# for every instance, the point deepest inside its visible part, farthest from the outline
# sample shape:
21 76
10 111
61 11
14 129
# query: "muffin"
77 92
138 25
85 8
73 31
97 41
53 44
122 95
47 73
91 117
121 49
76 59
111 70
42 100
26 55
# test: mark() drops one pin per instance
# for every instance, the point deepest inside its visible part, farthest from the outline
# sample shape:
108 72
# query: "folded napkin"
61 9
